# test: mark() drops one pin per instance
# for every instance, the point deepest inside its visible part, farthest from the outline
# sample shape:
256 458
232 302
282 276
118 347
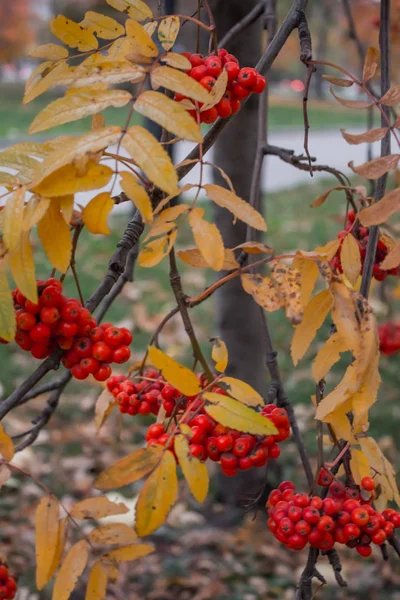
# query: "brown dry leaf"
287 280
373 135
338 81
350 258
97 508
392 260
360 104
377 167
263 291
193 257
105 404
371 63
254 248
392 96
380 211
321 199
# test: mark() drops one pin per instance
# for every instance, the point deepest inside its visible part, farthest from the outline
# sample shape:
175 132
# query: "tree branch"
241 25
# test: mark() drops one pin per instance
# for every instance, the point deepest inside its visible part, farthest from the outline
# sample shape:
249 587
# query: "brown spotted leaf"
287 280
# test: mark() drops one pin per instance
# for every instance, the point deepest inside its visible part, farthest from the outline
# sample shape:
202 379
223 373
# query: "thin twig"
336 565
310 71
304 588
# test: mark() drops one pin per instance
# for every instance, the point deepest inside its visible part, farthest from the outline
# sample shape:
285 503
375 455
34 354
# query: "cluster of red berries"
389 338
60 322
345 516
233 449
8 585
361 235
241 82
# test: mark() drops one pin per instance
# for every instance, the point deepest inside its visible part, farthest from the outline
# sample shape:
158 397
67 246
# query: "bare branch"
241 25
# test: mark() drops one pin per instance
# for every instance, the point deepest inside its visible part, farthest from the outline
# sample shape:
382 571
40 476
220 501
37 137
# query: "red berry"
324 477
360 516
301 500
235 105
224 108
96 334
127 336
286 485
199 72
203 421
379 537
113 337
78 372
89 365
247 77
67 329
196 59
229 461
343 518
395 519
53 282
337 490
296 542
232 68
40 333
388 528
330 507
26 321
121 354
3 572
198 451
295 513
32 308
23 340
245 463
144 408
259 85
239 92
351 532
83 347
364 550
315 538
214 66
303 528
274 451
208 82
311 515
154 431
242 447
327 542
229 58
274 497
351 505
316 502
209 116
286 526
102 373
259 457
49 315
101 351
51 296
326 523
71 310
224 443
367 483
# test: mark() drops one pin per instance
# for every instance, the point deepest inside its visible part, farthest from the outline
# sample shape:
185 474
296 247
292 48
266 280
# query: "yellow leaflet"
79 103
329 249
68 180
143 44
6 179
105 404
194 471
287 282
96 212
169 114
168 31
392 260
337 397
56 238
71 569
242 391
350 258
47 75
151 157
314 315
193 257
219 354
340 423
61 539
73 34
173 59
390 475
158 494
35 209
263 291
208 239
98 122
155 251
308 277
176 374
179 82
137 9
49 52
359 465
236 415
13 219
165 222
97 583
102 72
328 356
105 27
67 207
97 508
366 396
23 268
130 468
7 312
129 553
115 533
47 516
6 445
138 195
238 207
345 315
215 95
23 163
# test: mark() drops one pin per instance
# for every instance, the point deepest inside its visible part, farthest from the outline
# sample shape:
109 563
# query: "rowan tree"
202 414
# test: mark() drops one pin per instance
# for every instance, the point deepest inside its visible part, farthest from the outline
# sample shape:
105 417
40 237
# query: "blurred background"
222 550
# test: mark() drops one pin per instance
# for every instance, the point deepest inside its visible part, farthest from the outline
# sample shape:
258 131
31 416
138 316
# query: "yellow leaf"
359 465
7 313
47 516
193 257
98 122
8 180
219 354
67 207
105 27
46 75
168 31
169 114
96 212
381 211
102 73
314 315
151 157
328 356
135 8
176 374
115 533
6 445
390 475
157 496
329 249
339 421
337 397
138 195
79 103
72 34
179 82
61 539
49 52
208 239
35 209
216 94
236 415
156 250
71 569
371 63
242 391
129 553
308 277
97 583
345 315
165 222
263 291
68 180
97 508
238 207
350 258
287 281
24 164
13 219
173 59
392 260
105 403
194 471
129 469
23 268
143 44
56 238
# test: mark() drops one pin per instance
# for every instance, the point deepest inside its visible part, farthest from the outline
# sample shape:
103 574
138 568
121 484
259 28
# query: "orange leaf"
380 211
392 96
373 135
314 315
350 258
208 239
392 260
377 167
371 63
71 569
97 508
97 583
360 104
129 469
47 527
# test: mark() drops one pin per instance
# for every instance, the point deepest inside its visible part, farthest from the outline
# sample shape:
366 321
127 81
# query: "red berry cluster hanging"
233 449
241 82
389 338
343 517
60 322
8 585
361 234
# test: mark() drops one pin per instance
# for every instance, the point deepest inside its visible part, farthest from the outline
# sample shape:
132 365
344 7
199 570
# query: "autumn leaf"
8 324
166 221
13 219
242 391
309 273
392 260
137 9
105 403
72 34
151 157
138 195
168 31
254 248
129 553
238 207
176 374
178 82
105 27
208 239
97 582
380 211
370 64
263 291
59 551
156 250
68 180
49 52
219 354
314 315
193 257
215 95
392 96
236 415
359 465
338 81
350 258
46 75
345 315
97 508
6 445
373 135
22 268
377 167
178 61
358 104
129 469
95 214
114 533
194 471
328 356
157 496
55 237
102 73
329 249
143 44
35 209
71 569
47 517
169 114
287 281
